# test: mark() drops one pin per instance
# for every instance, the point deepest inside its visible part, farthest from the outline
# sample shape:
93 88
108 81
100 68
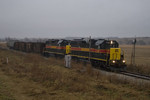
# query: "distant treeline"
139 40
24 39
122 41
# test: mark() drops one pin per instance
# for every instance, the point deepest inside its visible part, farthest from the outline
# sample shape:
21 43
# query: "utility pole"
89 48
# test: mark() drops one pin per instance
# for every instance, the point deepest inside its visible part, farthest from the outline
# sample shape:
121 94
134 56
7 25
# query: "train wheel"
93 63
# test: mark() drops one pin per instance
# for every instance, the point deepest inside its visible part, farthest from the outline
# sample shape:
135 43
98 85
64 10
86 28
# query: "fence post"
7 60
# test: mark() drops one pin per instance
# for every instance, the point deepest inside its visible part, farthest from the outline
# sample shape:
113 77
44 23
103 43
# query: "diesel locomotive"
100 52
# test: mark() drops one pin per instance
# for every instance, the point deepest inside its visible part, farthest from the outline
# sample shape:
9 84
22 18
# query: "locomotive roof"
98 42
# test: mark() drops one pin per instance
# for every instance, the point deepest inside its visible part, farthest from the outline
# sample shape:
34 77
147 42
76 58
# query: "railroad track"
136 75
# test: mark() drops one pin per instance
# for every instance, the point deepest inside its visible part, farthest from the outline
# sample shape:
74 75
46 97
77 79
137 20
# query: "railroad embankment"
33 77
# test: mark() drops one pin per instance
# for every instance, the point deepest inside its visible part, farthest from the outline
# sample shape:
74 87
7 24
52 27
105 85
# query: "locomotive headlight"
114 61
111 42
123 61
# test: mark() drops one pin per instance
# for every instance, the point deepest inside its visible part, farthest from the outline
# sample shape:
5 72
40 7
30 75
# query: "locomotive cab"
114 57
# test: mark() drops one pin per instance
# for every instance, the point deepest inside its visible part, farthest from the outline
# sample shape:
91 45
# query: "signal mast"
133 52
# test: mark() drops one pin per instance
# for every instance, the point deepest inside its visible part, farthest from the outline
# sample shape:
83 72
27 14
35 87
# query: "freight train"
100 52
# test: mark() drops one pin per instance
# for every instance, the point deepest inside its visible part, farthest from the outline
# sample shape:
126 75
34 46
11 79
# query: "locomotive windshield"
111 44
104 44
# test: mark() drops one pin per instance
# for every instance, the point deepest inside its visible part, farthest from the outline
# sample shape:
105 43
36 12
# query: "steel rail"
136 75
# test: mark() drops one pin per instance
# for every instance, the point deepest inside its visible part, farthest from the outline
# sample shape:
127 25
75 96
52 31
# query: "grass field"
142 54
32 77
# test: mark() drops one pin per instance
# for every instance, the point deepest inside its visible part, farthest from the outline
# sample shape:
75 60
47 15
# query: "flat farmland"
142 54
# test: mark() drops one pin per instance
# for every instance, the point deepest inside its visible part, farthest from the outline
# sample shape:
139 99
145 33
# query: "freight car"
30 47
38 47
20 46
11 43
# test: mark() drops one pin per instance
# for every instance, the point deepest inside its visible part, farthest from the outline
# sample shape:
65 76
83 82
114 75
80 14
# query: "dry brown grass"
3 44
79 82
4 92
142 69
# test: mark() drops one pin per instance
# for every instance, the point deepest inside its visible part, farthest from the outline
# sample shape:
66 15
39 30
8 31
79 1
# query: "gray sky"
63 18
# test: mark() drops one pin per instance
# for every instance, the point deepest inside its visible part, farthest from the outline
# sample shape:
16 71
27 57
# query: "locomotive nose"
115 53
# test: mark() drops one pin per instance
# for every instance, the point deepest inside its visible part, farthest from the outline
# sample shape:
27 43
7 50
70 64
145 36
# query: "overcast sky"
74 18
